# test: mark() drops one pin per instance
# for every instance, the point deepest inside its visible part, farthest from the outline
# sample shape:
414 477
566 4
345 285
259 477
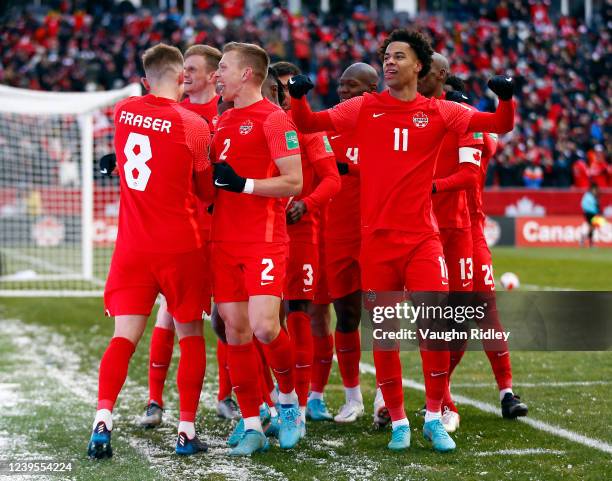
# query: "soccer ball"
509 281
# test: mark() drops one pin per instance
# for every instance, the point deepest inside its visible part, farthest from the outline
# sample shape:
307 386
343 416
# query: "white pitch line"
518 452
536 384
490 408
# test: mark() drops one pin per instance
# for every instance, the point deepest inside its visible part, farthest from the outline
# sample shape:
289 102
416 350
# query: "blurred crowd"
562 65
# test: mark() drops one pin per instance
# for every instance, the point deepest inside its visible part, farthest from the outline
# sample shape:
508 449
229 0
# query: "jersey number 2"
137 162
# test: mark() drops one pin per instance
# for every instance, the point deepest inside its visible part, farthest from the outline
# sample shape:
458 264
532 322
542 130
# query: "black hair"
279 85
456 83
286 68
417 41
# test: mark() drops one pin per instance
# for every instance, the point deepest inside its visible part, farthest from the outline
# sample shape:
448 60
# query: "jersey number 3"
136 170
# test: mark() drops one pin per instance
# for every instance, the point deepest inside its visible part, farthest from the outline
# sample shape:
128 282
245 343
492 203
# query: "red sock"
323 353
496 350
348 350
160 355
113 371
279 355
300 332
190 375
389 379
266 381
225 385
242 362
455 359
435 372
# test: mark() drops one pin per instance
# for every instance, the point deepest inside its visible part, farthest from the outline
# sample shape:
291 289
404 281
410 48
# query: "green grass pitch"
50 350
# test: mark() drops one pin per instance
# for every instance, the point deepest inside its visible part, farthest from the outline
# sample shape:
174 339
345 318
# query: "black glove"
343 168
224 177
299 86
456 96
502 86
107 164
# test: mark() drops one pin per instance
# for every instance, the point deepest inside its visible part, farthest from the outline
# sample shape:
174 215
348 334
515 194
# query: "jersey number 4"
136 170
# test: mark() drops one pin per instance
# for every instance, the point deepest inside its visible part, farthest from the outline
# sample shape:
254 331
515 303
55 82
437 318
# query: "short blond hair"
253 56
211 55
162 59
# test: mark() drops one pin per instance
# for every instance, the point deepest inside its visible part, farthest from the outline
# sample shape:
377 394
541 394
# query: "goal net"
58 215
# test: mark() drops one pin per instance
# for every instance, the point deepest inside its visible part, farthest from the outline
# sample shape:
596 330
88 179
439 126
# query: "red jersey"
321 182
451 208
250 139
343 218
159 145
396 155
207 111
474 196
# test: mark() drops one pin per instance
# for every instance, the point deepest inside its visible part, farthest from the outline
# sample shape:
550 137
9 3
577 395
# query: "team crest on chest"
246 127
420 120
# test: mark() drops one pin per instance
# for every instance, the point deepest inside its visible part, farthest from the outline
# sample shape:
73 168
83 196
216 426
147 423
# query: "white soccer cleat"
350 412
450 420
381 413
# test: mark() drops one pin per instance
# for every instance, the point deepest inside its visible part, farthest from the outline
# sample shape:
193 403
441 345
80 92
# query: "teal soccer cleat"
434 431
316 410
99 446
400 438
251 442
291 427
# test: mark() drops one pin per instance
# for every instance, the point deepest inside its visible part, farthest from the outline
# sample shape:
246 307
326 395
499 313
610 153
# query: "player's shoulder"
135 99
187 115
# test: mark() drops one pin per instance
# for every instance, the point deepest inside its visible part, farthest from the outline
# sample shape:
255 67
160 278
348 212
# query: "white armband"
249 186
469 154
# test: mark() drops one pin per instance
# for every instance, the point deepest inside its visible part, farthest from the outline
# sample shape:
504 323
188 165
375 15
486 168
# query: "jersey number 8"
137 162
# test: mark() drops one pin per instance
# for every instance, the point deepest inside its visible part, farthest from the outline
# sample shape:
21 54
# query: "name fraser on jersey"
432 335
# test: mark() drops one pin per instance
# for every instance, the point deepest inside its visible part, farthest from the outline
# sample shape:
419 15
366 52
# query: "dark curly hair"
455 83
417 41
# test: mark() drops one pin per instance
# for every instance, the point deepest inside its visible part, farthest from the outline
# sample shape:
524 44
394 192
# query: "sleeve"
500 122
323 162
456 116
342 117
281 135
466 177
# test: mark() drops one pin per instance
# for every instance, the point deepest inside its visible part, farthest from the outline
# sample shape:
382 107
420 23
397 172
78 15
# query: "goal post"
58 216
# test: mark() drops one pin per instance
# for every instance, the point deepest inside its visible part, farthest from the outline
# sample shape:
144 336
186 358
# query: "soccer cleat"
400 438
291 430
99 446
236 435
228 409
272 429
349 412
422 411
187 447
316 410
434 431
450 420
513 407
152 417
252 442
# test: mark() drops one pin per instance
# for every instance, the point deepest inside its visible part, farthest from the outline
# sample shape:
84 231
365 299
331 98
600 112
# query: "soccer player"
162 159
321 181
484 283
201 62
452 215
257 166
342 243
400 241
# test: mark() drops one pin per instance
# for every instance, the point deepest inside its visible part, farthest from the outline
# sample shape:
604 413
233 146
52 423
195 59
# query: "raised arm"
500 122
340 118
324 165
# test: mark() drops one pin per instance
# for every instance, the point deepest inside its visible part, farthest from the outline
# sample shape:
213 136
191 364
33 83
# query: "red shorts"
136 278
393 260
483 264
302 271
241 270
457 245
342 267
322 287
